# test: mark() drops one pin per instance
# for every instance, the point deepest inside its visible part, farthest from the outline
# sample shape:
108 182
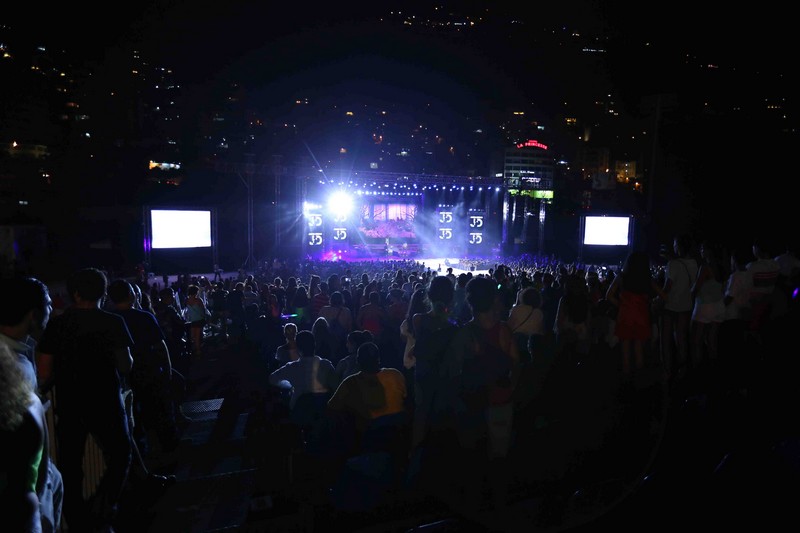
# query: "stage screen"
387 220
606 231
172 228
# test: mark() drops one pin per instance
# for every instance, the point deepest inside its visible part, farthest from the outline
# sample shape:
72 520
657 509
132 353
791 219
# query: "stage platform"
440 264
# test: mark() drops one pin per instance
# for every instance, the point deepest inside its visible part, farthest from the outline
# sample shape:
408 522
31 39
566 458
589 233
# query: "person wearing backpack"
481 369
433 331
431 434
340 322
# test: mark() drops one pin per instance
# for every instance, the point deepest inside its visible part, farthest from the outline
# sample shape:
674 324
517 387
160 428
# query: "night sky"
338 49
274 43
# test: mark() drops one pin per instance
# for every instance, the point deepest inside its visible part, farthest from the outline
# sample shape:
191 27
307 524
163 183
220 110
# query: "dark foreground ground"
652 454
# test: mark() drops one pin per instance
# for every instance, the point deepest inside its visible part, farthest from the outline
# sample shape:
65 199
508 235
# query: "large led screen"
606 231
180 229
387 220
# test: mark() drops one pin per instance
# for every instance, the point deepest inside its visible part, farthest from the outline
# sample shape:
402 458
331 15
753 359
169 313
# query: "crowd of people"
448 369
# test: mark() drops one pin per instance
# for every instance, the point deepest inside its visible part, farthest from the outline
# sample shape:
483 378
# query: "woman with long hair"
23 436
418 304
526 318
324 341
301 306
632 292
432 332
573 319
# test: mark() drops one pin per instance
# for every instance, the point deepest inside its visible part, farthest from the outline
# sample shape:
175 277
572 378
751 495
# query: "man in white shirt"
309 374
681 273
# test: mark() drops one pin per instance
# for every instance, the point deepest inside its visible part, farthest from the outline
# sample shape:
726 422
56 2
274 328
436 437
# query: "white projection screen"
172 228
606 231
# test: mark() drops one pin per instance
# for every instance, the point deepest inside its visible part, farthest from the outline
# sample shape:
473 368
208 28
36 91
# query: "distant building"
528 175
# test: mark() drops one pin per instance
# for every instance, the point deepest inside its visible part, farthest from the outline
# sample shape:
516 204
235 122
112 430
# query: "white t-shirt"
527 320
738 288
682 272
764 276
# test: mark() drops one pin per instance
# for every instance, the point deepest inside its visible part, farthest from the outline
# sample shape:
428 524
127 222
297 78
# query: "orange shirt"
371 395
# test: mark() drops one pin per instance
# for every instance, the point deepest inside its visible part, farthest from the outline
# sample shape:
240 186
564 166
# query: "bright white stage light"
340 204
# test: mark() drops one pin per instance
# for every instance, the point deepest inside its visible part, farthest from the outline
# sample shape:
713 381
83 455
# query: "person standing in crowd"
732 331
573 325
301 307
320 299
433 332
372 316
371 392
709 307
408 284
526 318
451 276
22 432
340 320
348 365
289 291
396 310
250 296
418 304
482 368
151 375
269 304
172 323
205 287
238 326
24 312
506 293
631 292
551 295
325 342
85 354
460 312
310 373
288 352
679 277
314 286
334 283
196 314
279 291
218 304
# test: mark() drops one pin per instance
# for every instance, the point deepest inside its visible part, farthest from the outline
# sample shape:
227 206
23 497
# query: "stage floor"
440 264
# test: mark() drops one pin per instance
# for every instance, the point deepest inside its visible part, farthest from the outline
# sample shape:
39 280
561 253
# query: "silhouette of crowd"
562 381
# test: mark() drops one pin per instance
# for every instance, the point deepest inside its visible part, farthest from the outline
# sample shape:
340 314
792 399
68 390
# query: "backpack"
337 328
430 347
339 334
219 300
486 378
